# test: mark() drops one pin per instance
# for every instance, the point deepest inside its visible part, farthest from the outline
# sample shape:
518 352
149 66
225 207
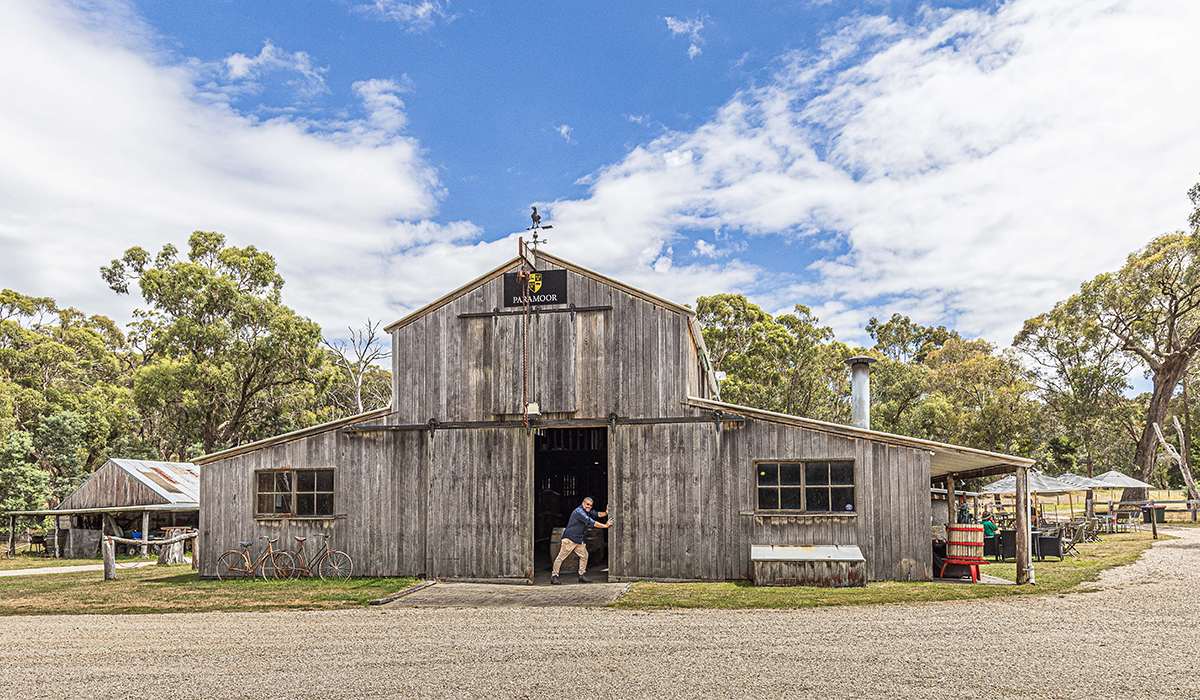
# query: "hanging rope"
523 276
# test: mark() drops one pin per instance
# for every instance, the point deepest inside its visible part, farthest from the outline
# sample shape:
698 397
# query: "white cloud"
565 132
414 16
983 164
689 28
968 170
386 110
248 69
107 144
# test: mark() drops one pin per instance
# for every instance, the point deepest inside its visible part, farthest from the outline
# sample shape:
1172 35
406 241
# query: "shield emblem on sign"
535 282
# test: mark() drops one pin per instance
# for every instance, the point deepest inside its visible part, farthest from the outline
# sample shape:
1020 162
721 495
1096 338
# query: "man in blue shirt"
573 538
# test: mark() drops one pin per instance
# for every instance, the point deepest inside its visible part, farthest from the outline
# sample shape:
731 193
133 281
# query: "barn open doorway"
569 464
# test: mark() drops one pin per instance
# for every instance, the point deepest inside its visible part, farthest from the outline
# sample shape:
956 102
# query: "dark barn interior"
569 465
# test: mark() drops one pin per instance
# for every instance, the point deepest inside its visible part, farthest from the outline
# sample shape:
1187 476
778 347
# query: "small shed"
123 497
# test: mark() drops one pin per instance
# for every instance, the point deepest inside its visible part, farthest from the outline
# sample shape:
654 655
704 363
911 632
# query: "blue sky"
965 163
489 85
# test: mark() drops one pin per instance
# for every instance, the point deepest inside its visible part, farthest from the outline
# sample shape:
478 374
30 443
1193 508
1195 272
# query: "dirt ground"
1131 635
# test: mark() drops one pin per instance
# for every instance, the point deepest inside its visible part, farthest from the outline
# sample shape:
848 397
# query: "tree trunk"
1165 381
1185 463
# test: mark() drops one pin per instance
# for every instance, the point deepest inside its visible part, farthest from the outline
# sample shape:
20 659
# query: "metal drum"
964 542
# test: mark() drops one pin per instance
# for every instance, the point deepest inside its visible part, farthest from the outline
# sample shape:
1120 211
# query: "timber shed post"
145 534
951 511
1024 549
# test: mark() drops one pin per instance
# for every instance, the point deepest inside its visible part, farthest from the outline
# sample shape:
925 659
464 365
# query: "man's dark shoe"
584 579
554 581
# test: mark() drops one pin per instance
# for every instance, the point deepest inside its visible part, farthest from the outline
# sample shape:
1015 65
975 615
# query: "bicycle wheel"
231 565
279 566
336 566
299 564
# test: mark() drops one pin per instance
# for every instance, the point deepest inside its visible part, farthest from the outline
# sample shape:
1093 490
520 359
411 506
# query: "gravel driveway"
1136 637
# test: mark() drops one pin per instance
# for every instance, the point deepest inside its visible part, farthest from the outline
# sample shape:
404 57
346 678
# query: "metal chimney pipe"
860 391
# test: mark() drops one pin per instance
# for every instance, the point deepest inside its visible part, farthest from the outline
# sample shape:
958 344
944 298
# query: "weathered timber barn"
451 482
123 496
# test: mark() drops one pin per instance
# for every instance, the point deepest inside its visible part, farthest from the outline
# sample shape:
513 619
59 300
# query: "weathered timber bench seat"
828 565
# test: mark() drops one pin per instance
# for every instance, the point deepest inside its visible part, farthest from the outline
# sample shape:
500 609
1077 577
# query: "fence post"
110 559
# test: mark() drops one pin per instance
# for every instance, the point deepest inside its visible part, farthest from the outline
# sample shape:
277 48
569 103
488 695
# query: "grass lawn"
1052 577
31 562
176 588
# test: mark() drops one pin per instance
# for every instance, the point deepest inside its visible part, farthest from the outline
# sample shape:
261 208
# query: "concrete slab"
498 595
985 579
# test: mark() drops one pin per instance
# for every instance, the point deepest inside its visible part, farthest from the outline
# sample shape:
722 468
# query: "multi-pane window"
302 492
810 487
314 492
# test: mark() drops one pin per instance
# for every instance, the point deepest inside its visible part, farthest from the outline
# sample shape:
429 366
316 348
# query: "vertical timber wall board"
632 360
667 492
890 487
378 500
894 513
479 507
552 353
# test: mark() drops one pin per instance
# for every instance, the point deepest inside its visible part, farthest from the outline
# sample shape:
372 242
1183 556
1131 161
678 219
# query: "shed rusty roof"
178 482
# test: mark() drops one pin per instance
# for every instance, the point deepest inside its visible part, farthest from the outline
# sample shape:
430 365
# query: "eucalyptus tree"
356 358
221 354
790 363
1081 370
1151 306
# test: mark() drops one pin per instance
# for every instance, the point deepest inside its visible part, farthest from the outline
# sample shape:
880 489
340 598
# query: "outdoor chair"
1077 535
37 541
1049 546
1008 544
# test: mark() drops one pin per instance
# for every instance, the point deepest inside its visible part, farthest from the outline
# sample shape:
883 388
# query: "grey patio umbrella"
1116 480
1082 483
1038 483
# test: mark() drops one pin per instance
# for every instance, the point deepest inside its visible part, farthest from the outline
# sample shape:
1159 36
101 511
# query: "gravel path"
69 569
1134 637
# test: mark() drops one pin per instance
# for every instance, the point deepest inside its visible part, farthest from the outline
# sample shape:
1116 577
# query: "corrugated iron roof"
178 482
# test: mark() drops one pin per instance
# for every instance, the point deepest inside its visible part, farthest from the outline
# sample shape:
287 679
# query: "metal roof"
817 552
177 482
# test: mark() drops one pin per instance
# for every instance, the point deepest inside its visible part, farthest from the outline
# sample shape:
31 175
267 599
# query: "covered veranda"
951 465
112 520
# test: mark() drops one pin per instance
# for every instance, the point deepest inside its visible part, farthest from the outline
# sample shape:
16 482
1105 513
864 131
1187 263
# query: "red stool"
971 564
